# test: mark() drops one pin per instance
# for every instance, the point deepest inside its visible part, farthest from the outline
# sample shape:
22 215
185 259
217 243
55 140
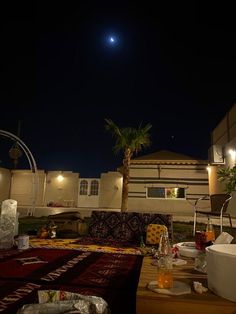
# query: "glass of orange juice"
164 272
164 263
164 278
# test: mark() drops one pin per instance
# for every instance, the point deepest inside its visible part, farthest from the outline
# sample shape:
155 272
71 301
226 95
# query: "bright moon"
112 40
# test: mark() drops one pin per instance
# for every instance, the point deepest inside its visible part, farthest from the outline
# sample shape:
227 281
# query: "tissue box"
224 238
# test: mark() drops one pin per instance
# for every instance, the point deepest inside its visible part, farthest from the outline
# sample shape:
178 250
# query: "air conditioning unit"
215 154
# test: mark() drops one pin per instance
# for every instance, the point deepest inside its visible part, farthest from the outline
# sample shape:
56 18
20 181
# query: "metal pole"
32 164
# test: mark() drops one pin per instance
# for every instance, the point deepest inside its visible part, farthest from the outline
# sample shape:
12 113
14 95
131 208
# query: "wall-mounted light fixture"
208 168
60 178
232 153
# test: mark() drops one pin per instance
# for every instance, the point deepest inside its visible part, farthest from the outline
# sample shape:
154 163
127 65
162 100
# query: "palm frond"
112 127
134 139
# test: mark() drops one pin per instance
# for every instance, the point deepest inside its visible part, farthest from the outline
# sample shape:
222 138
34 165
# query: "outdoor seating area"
105 263
106 260
101 226
118 158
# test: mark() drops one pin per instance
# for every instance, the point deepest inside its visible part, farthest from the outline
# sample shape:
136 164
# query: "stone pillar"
8 223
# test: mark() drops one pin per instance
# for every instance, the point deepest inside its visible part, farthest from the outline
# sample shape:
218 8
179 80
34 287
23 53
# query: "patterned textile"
154 232
125 226
82 244
113 277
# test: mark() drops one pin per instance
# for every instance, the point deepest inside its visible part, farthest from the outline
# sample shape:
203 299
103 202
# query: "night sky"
172 65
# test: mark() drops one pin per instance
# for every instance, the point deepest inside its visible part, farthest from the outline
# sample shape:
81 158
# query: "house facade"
166 182
163 182
56 191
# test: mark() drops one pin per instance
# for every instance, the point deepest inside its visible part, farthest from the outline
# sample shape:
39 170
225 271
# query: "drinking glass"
164 263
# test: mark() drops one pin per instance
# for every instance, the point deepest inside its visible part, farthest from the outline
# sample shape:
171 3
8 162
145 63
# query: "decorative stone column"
8 221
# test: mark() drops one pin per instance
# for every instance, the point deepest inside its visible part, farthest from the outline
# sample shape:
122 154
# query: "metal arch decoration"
32 164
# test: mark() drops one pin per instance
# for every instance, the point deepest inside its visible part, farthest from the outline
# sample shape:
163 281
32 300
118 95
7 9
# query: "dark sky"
173 65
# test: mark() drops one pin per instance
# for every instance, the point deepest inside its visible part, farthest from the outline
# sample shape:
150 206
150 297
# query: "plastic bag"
56 301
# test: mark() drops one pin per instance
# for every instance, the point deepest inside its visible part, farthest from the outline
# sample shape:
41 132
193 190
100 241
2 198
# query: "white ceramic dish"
221 270
187 249
178 288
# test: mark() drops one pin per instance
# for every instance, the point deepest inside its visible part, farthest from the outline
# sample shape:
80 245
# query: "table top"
149 302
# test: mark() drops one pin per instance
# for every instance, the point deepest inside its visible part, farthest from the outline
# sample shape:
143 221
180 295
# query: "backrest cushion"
154 232
124 226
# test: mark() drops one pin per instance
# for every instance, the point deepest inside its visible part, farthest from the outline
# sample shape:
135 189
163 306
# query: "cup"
200 240
200 262
22 242
164 278
164 272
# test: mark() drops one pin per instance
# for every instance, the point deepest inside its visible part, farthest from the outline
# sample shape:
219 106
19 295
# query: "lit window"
83 187
94 187
161 192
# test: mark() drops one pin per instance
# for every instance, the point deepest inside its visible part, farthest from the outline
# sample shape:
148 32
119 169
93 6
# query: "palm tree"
129 141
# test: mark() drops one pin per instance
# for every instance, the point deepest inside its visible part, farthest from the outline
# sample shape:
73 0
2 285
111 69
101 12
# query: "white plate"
187 249
178 288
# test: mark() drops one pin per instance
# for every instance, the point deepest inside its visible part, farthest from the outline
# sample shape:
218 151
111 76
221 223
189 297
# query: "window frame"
94 188
166 191
83 187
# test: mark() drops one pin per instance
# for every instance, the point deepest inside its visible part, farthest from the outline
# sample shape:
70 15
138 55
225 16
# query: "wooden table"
149 302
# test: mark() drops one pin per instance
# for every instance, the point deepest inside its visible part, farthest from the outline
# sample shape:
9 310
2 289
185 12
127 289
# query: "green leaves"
134 139
228 175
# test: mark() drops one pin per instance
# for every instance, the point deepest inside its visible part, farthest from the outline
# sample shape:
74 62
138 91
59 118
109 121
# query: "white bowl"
187 249
221 270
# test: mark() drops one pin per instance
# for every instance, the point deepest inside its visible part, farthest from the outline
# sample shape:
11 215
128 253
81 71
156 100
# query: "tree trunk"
125 187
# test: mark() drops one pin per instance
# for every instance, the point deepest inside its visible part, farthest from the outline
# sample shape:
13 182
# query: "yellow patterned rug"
71 244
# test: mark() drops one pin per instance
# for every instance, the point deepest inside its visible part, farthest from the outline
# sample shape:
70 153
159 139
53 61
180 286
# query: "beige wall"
215 186
225 135
225 131
23 184
189 175
20 184
88 200
5 184
110 190
61 193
